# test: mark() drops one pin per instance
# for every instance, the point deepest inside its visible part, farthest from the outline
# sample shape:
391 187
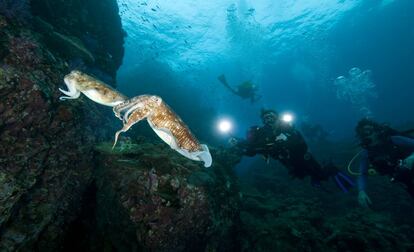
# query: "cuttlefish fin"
165 135
205 156
169 139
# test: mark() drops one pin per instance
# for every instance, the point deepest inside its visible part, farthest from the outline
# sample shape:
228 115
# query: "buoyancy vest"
385 156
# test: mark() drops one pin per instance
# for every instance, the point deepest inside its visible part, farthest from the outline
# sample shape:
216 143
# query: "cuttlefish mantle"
78 82
166 124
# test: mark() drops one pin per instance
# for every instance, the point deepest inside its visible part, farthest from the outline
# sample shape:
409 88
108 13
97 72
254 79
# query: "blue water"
294 50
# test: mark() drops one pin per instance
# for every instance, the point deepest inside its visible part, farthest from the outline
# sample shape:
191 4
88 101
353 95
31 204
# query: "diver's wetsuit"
246 92
386 158
287 146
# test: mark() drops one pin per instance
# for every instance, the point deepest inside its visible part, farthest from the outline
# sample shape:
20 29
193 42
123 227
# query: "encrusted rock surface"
46 146
279 213
151 198
89 30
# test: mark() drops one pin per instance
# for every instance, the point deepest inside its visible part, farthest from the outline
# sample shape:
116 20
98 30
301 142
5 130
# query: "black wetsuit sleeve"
247 148
243 147
404 142
301 163
297 141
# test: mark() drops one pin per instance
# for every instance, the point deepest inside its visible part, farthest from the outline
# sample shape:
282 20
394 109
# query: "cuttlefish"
166 124
78 82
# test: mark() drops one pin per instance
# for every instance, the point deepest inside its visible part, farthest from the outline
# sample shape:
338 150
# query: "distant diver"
166 124
246 90
279 140
99 92
162 119
385 151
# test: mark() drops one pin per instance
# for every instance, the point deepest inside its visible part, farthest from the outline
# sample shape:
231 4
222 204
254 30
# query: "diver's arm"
363 199
242 147
363 170
405 142
248 149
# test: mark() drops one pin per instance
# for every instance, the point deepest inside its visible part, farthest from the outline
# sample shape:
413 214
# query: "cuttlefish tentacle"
78 82
117 113
166 124
126 105
72 93
123 110
126 127
130 110
142 111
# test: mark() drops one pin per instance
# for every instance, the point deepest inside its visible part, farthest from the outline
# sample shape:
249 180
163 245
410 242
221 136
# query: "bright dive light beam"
224 126
287 117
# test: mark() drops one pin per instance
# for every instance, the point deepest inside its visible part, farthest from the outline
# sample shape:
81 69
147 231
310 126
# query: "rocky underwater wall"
46 146
61 187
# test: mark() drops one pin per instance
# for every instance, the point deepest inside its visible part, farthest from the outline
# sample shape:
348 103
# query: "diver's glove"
238 146
363 199
233 141
408 163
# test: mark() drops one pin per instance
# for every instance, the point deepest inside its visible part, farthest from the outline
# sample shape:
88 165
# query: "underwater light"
224 125
287 117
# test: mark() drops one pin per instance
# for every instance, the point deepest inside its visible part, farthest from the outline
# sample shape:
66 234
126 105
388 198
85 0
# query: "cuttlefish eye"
75 73
72 75
156 99
68 78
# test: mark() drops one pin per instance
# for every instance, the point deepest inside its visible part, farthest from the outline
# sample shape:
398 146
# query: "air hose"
350 171
371 171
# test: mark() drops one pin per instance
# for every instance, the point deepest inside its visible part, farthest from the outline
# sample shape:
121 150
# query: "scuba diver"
279 140
389 152
246 90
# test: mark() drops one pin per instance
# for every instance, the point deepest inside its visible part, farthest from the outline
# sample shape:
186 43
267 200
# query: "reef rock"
281 214
145 200
90 30
46 146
